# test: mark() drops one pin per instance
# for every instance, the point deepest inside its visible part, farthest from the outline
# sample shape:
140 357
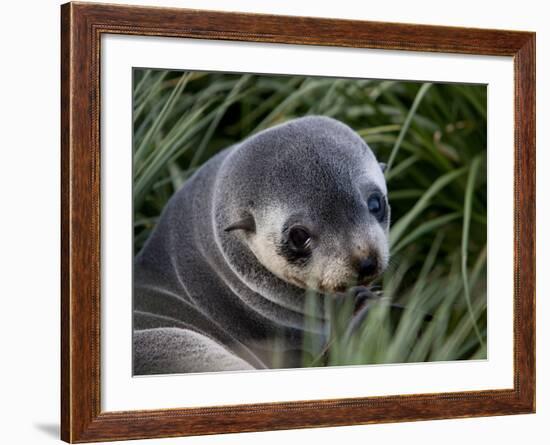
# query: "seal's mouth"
341 289
347 287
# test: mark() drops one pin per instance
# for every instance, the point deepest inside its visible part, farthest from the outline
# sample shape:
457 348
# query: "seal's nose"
367 267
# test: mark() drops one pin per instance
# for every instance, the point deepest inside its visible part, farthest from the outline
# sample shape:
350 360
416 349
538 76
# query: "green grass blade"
304 89
465 237
402 167
222 108
421 93
427 227
164 113
402 225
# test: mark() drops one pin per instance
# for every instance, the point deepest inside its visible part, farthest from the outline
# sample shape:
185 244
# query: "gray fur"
212 287
175 350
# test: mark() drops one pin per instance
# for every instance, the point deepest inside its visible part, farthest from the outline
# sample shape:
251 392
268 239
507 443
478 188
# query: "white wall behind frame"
29 187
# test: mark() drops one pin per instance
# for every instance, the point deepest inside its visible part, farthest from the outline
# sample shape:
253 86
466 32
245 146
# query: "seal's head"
309 200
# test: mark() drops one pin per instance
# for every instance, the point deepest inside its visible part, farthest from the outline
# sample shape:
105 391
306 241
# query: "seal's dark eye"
376 205
299 238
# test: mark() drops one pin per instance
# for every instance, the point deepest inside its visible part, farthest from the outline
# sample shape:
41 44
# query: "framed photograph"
274 222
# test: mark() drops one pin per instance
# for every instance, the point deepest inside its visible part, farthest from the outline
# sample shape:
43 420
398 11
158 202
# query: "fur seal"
220 284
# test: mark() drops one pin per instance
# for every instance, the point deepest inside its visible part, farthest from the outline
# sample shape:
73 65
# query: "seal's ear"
383 166
247 224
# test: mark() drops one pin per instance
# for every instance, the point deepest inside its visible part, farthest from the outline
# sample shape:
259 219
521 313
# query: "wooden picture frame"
82 26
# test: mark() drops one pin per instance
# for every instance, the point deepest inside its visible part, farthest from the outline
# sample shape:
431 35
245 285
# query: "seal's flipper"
174 350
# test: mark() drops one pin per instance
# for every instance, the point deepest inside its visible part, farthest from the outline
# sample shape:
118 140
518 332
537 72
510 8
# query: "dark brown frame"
82 25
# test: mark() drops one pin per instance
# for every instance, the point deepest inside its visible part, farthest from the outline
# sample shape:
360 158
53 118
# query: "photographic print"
288 221
273 222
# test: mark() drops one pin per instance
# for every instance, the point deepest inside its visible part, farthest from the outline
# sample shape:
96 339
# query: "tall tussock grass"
433 300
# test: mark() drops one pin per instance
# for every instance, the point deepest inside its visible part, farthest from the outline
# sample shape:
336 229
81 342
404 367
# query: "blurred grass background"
433 137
